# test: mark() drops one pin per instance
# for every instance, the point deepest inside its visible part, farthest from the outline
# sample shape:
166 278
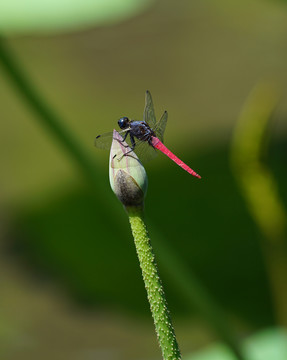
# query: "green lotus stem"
156 297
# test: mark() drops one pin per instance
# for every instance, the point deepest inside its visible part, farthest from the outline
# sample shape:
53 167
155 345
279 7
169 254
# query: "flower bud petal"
128 177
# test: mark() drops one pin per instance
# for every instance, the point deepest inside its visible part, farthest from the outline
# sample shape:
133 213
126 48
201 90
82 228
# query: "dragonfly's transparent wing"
144 151
104 141
149 115
159 128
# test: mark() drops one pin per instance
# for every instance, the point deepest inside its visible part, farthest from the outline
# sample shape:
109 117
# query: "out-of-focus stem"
155 293
45 114
260 190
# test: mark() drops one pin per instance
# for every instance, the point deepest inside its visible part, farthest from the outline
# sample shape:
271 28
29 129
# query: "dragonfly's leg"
121 141
132 147
126 134
124 138
133 142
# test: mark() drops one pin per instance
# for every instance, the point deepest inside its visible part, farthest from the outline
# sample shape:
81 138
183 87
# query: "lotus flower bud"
128 177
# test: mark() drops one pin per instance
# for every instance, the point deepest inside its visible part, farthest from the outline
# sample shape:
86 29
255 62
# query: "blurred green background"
71 286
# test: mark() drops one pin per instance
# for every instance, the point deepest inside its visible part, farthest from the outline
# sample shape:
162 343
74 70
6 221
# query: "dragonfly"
144 137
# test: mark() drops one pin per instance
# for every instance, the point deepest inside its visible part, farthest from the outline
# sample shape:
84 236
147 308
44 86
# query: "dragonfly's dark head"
124 123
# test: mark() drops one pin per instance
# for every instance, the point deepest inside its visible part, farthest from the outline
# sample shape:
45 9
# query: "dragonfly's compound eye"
124 123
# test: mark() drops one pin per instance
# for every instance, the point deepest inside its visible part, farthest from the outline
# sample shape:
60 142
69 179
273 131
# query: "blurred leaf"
266 345
260 191
55 15
257 182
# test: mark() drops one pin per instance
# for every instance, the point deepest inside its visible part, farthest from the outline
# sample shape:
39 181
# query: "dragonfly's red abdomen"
156 143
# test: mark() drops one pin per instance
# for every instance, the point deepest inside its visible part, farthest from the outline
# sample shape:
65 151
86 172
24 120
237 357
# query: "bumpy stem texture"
155 293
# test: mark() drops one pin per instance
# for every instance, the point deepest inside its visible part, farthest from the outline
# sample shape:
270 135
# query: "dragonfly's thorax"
141 130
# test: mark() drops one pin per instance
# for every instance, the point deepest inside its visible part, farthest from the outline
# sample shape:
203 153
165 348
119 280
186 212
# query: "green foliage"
69 237
260 190
53 15
265 345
